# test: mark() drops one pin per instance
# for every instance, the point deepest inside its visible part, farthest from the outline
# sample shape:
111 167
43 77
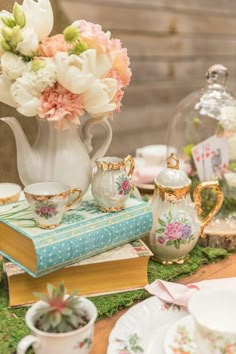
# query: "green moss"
12 325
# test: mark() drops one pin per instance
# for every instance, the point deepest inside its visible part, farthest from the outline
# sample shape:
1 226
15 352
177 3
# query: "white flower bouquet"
62 77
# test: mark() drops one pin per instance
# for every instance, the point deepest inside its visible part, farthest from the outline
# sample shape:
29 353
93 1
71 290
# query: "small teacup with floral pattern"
49 201
214 314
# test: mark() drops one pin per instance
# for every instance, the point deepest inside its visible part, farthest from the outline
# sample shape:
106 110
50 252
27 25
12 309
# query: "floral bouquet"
62 77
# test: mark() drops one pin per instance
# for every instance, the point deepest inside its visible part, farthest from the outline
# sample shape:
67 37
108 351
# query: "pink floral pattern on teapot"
174 228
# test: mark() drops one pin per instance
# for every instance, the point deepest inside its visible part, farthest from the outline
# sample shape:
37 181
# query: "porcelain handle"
88 136
76 199
129 160
25 343
198 202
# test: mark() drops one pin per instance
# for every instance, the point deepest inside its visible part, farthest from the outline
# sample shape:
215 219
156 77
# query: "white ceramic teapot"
176 219
58 155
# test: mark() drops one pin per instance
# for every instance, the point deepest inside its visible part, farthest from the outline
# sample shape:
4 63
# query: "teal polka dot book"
84 232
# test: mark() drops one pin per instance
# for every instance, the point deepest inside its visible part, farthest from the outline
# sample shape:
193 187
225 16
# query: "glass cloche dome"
202 132
203 128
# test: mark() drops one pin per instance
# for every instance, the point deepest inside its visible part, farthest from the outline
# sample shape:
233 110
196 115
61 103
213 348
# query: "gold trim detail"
47 226
109 166
172 162
169 193
198 202
129 160
11 199
76 199
112 209
174 261
46 197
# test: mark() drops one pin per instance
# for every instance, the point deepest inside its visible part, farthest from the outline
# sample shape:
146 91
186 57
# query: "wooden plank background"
170 43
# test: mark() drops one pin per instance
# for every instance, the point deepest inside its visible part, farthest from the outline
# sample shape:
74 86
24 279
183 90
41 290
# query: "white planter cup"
74 342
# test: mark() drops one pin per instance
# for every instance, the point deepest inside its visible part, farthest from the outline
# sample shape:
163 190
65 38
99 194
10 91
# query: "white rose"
73 72
29 44
97 99
5 94
39 16
13 66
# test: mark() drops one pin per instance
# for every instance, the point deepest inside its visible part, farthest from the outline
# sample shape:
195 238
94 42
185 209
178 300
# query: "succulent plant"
61 313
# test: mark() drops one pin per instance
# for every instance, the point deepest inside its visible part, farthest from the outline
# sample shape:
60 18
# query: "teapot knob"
173 162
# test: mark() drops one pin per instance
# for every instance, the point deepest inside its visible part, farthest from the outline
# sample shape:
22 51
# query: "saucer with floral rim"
179 337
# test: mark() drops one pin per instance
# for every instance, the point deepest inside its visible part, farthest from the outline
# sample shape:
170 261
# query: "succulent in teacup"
61 313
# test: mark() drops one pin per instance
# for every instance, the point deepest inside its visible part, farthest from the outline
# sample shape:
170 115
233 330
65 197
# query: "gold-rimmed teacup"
9 193
49 201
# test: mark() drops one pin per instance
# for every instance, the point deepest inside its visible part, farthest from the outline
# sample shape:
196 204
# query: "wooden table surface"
222 269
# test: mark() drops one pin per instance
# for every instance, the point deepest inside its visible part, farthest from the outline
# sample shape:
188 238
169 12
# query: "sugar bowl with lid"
177 222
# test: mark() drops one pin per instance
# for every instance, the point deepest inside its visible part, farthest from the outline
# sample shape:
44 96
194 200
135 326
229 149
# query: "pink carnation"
60 105
93 35
120 63
118 97
52 45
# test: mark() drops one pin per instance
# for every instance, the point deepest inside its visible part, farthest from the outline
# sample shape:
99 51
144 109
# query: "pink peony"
173 231
60 105
52 45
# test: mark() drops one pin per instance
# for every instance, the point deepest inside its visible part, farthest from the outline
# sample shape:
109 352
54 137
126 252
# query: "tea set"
177 225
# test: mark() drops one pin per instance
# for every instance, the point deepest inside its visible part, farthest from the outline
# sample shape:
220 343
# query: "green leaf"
188 149
161 222
177 243
160 230
170 243
42 297
55 319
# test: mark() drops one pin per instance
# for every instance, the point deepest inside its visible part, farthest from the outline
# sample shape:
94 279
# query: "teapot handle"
88 136
198 202
130 160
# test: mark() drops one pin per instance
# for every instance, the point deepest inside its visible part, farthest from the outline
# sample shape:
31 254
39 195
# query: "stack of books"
82 251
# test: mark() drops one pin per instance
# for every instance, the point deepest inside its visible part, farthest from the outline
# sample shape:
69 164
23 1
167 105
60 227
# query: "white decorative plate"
142 328
179 337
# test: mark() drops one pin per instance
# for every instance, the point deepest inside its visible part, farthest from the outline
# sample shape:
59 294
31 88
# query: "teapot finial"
173 162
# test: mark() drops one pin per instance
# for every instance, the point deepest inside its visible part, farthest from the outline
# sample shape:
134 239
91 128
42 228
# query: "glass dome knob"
217 74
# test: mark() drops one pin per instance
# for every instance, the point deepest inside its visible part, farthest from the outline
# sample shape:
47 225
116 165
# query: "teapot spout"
26 158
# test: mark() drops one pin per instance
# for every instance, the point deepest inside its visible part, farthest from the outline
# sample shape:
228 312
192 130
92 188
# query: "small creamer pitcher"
111 185
176 219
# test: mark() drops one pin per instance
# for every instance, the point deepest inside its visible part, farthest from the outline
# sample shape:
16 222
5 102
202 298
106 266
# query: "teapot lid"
172 176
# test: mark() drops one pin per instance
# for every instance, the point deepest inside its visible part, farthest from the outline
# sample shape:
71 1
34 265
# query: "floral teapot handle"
88 136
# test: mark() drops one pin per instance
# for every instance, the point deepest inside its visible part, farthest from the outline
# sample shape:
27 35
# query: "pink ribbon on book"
179 294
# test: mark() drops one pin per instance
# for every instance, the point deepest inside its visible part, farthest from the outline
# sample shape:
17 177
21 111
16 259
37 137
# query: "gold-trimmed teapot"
177 222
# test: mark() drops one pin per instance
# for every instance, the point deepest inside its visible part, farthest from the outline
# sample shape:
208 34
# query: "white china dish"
179 337
143 327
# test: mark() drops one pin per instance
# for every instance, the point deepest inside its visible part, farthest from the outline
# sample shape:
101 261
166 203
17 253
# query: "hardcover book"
120 269
84 232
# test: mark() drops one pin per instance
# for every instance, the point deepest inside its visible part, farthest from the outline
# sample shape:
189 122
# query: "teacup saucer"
179 338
